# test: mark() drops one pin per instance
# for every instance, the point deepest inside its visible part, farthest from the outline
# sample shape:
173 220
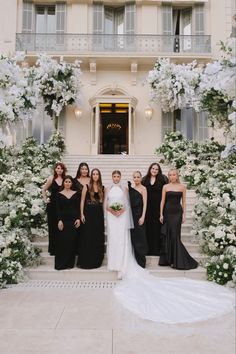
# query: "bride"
118 224
166 300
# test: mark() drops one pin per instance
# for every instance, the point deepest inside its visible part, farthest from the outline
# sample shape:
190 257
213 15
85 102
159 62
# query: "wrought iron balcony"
112 43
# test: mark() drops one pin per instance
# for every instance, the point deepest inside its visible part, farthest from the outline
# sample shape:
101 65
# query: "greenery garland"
22 211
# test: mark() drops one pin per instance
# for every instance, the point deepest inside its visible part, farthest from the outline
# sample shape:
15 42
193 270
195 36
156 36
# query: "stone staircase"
127 164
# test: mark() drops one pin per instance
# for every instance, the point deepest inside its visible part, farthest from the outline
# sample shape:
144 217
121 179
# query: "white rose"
225 266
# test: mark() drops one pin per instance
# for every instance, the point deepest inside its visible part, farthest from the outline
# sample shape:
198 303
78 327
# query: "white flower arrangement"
214 179
173 86
217 87
22 211
18 92
59 83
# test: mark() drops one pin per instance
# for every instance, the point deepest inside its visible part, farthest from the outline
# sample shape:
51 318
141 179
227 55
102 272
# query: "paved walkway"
84 318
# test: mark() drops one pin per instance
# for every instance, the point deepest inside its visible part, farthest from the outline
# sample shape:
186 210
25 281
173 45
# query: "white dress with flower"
170 300
118 234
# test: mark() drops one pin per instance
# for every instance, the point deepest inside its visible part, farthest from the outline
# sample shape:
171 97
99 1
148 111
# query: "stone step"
127 164
45 272
152 261
185 236
191 246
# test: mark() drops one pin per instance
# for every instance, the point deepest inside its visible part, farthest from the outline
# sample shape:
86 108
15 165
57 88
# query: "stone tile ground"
64 318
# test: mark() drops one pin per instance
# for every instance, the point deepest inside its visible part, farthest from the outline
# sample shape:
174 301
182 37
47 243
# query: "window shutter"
98 25
167 28
201 127
98 18
27 22
167 123
60 18
167 22
187 118
199 19
130 11
200 44
60 23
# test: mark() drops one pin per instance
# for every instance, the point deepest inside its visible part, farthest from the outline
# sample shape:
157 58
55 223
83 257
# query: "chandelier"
113 126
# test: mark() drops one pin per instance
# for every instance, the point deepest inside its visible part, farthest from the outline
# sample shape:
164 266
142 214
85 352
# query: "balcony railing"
112 43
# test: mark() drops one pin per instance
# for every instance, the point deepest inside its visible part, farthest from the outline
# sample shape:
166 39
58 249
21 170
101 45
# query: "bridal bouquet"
116 206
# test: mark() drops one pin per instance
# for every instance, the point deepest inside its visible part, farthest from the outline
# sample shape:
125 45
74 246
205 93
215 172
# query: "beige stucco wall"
218 16
8 21
147 134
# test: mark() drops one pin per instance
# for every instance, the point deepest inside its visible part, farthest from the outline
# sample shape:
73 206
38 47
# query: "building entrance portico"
113 123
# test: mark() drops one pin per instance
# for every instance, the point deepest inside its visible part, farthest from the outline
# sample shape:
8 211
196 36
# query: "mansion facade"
117 43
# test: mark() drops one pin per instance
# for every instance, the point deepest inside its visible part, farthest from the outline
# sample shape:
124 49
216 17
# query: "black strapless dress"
138 233
173 252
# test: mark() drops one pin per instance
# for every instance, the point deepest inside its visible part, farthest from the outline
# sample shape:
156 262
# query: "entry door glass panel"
113 128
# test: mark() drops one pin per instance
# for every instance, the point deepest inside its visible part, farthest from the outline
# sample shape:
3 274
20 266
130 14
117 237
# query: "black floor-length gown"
138 233
52 217
91 240
78 187
68 210
173 251
153 225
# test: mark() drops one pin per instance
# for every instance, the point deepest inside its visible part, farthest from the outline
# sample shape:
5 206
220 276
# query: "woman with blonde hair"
91 240
172 215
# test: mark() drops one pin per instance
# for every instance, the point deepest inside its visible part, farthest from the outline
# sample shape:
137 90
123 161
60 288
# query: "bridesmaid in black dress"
53 186
81 179
91 241
154 182
172 215
68 213
138 203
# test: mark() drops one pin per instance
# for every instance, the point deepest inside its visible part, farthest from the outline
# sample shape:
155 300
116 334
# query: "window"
41 126
45 19
193 125
47 24
114 22
178 26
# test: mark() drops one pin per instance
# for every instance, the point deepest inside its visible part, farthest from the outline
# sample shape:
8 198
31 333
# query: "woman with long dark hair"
68 216
91 240
52 187
82 177
154 182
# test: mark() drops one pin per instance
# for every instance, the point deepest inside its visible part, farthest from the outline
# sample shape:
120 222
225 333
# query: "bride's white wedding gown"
167 300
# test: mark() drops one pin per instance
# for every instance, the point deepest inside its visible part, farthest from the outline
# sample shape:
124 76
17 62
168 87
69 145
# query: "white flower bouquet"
116 206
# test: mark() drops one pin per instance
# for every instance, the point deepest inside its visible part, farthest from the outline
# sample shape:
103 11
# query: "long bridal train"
172 300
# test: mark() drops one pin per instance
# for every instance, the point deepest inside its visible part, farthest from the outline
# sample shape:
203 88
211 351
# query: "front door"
114 119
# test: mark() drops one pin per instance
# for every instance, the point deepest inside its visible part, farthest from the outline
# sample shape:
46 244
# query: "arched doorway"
112 122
